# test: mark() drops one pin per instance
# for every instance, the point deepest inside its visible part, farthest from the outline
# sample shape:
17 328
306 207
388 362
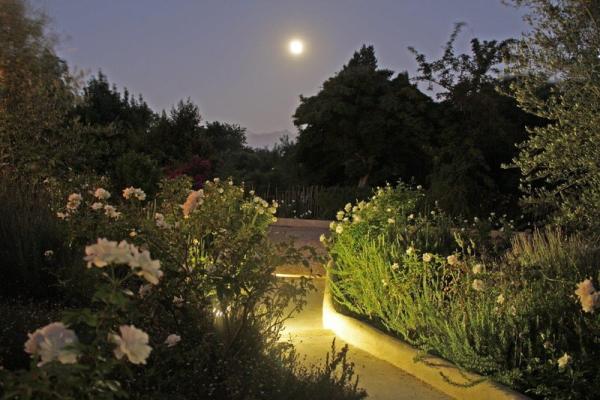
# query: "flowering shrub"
76 363
190 291
525 317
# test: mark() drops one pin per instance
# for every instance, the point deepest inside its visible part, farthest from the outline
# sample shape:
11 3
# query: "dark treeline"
368 126
365 127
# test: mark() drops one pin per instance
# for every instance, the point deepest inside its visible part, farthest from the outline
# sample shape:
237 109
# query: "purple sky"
230 57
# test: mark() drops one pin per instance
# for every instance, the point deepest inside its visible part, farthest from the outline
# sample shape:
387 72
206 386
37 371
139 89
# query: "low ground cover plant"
176 299
522 315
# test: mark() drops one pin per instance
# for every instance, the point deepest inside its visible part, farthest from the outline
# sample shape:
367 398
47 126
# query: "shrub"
137 169
33 249
513 317
210 310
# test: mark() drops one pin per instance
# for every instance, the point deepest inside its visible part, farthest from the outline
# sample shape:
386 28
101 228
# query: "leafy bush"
137 169
205 319
514 317
33 249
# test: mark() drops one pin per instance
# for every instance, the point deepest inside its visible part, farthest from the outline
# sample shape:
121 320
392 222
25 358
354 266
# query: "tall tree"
36 89
363 127
560 162
476 128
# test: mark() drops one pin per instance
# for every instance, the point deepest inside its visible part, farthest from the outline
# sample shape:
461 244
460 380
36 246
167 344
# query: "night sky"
230 57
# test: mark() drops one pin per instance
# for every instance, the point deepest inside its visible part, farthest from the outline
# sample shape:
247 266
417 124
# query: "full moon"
296 47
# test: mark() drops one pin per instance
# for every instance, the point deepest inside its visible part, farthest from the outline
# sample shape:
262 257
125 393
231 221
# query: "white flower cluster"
111 212
53 342
105 252
102 194
131 192
159 219
588 296
73 202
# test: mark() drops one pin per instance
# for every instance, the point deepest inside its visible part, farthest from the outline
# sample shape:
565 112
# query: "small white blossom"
452 259
144 290
322 238
500 299
477 269
478 285
563 361
177 301
410 251
172 340
339 229
159 219
339 216
391 221
61 215
101 194
111 212
97 206
395 266
427 257
48 253
348 207
131 343
74 201
130 192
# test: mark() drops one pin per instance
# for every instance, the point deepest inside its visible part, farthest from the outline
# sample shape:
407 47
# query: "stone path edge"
402 355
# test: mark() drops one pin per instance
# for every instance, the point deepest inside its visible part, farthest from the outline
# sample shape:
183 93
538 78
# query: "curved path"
382 380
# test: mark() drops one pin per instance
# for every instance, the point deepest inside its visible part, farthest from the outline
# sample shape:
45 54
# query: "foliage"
211 309
363 127
36 91
137 169
33 250
512 317
557 66
476 128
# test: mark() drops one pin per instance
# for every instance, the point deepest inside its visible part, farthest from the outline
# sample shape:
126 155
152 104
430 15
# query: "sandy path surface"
382 380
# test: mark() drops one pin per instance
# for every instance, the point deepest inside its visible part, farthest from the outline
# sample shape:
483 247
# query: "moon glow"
296 47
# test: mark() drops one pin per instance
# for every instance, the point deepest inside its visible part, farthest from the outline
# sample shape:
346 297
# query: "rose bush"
191 292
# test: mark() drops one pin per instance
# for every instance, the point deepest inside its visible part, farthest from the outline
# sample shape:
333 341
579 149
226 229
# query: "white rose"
51 342
132 343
